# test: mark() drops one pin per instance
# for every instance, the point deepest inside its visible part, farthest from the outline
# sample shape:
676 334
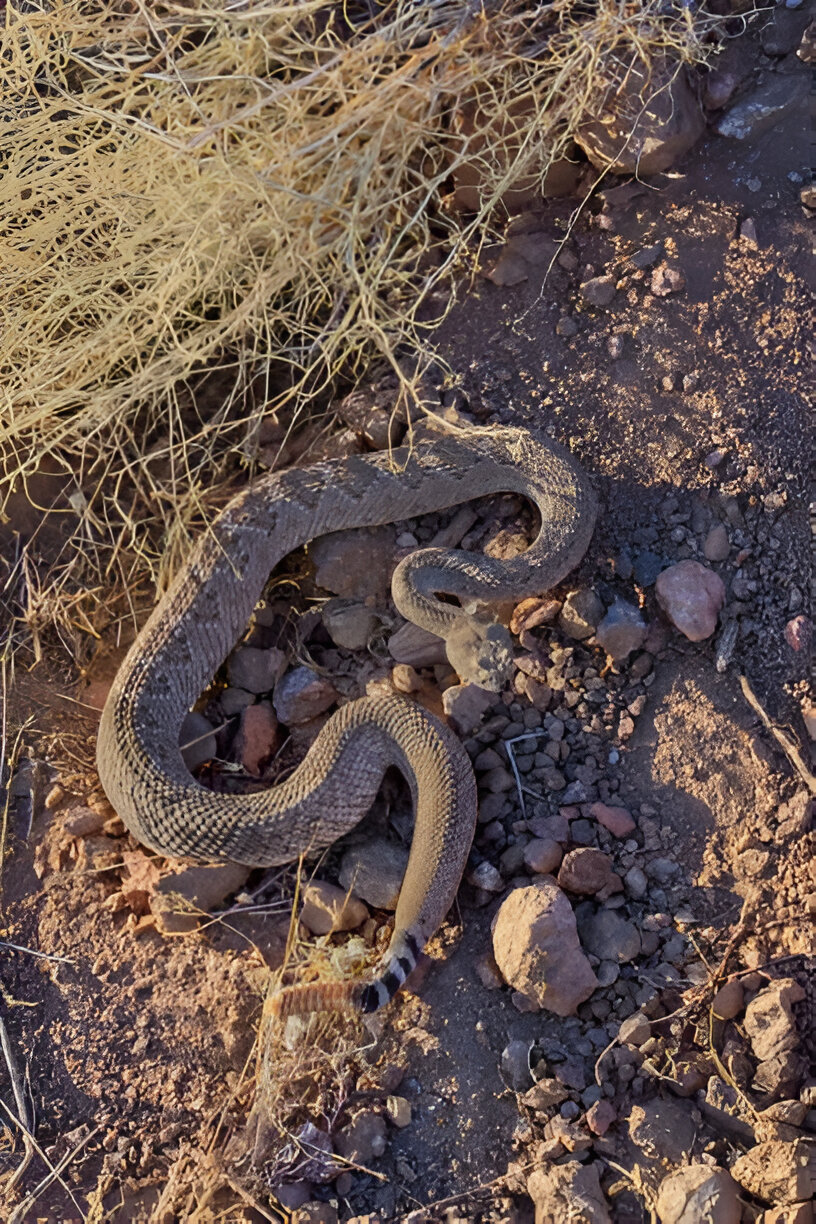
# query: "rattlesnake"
208 606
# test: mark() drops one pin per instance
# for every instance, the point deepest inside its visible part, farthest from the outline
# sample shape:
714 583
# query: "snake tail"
398 965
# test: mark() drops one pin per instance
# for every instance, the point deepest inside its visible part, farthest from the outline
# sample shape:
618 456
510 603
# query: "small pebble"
329 908
728 1001
599 291
542 855
716 546
666 280
635 1031
621 631
398 1111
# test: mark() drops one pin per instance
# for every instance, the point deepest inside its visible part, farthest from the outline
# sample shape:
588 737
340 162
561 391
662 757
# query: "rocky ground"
618 1019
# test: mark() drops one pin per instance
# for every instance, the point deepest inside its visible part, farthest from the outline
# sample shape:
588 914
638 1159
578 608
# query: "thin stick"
20 1102
20 1213
787 745
63 960
523 790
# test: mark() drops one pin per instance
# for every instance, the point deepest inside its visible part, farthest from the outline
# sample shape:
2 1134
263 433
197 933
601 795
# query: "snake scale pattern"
207 608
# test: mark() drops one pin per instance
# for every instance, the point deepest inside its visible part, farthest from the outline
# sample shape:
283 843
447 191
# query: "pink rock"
536 946
600 1116
570 811
585 871
716 546
617 820
691 595
797 632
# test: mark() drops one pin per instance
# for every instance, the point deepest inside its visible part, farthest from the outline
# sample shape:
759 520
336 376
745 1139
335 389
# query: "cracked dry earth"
687 1069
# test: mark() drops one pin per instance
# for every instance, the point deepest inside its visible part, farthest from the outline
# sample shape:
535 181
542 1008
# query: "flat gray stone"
762 109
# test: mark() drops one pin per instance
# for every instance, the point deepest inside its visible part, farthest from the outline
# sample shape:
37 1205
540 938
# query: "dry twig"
787 745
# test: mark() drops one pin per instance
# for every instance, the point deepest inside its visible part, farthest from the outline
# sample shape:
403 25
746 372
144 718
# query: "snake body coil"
207 608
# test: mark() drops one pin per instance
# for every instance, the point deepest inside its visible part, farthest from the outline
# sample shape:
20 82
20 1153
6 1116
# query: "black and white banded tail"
400 962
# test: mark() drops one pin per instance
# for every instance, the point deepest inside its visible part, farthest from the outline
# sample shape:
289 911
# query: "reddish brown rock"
698 1192
617 820
257 738
569 1191
643 124
542 855
769 1020
375 871
356 563
465 706
728 1001
776 1172
180 899
601 1116
302 695
585 871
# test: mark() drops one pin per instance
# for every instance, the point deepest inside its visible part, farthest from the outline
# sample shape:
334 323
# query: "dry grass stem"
212 211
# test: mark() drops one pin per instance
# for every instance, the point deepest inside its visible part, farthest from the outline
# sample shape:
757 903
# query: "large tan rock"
568 1192
776 1172
536 946
698 1192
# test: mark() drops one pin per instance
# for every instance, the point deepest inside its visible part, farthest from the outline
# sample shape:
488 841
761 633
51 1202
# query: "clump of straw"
210 210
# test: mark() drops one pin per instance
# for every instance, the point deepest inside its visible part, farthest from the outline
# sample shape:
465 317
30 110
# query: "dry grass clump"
210 210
